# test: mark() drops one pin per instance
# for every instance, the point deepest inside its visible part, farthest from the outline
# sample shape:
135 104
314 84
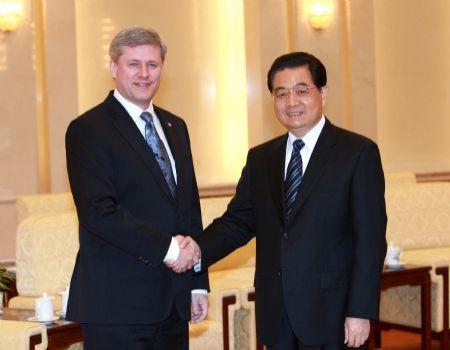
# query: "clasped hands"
188 257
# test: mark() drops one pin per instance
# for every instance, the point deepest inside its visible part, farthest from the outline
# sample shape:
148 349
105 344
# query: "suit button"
285 235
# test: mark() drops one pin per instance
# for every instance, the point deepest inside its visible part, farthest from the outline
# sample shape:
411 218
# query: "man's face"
137 73
298 102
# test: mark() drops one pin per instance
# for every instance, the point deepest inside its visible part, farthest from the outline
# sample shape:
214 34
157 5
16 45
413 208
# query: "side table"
408 275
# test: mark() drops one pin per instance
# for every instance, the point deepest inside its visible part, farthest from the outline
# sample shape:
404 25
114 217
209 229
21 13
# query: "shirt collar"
133 110
311 137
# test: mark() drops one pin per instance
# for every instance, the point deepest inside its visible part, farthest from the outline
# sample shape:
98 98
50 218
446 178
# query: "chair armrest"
223 304
17 334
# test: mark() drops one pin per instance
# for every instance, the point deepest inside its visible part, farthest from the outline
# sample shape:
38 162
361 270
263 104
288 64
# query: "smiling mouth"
143 85
294 114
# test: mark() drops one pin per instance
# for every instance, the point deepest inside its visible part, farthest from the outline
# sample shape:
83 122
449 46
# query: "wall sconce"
11 14
320 13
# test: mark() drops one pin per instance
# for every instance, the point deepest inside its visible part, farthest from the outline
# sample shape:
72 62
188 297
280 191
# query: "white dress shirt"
310 140
135 113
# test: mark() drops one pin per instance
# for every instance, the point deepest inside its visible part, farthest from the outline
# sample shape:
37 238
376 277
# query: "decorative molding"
7 200
224 190
434 177
434 167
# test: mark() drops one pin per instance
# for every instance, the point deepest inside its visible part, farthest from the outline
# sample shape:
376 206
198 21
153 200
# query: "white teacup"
393 255
43 308
64 299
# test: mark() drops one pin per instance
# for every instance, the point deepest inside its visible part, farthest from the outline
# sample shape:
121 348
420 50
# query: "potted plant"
6 280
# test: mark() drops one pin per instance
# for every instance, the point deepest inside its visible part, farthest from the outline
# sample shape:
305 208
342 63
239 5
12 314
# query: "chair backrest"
419 215
46 247
242 257
43 204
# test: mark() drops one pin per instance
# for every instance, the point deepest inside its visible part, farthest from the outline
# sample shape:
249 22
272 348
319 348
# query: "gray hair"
135 36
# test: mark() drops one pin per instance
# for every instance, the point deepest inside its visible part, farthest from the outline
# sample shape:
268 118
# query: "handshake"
188 257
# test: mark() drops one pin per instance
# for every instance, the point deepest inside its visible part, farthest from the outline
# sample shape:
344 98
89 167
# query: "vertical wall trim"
346 43
291 30
42 98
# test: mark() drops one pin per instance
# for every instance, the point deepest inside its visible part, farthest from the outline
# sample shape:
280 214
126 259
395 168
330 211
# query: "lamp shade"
11 14
320 13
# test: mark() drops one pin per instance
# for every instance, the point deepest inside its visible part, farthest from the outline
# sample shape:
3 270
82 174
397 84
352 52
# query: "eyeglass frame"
300 90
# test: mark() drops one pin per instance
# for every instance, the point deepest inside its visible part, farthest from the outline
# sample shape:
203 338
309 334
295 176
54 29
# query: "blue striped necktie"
160 152
294 176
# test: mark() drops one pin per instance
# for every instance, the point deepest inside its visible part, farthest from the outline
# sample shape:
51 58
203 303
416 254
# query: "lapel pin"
170 124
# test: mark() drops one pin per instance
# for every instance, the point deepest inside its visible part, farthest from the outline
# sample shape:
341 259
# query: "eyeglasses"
281 95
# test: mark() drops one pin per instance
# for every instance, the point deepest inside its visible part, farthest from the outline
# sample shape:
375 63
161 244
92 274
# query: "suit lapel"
176 148
276 175
321 155
126 127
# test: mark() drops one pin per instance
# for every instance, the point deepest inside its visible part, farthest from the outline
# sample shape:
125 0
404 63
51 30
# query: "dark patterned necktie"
160 152
294 176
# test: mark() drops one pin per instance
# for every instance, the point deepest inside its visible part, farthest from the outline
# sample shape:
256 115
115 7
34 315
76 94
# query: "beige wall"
61 72
18 137
266 37
346 48
204 73
412 49
35 78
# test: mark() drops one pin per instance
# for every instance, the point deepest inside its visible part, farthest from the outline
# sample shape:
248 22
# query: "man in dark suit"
314 199
132 178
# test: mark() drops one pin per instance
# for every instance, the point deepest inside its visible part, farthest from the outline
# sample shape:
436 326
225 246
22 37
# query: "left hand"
199 307
356 331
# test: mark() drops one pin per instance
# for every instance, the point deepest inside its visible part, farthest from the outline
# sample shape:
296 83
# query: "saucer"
398 265
35 319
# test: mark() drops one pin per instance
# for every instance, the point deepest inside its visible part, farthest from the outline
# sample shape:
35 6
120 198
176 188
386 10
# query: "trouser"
170 334
287 340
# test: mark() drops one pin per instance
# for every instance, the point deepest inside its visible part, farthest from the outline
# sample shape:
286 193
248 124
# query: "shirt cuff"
198 266
173 252
199 291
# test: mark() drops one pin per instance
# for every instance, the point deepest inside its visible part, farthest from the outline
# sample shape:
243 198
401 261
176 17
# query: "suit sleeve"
234 228
201 279
369 220
99 211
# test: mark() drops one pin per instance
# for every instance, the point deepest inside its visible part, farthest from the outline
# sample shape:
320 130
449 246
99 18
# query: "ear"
324 92
113 68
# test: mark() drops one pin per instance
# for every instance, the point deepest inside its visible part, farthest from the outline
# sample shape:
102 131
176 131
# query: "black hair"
299 59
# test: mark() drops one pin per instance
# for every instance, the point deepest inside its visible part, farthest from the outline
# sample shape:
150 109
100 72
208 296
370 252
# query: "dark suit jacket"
127 216
325 263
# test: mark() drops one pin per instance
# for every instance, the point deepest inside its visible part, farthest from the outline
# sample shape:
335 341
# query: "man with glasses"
314 199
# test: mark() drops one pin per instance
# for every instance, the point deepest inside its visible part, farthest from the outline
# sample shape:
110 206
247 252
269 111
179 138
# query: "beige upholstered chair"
46 246
15 335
